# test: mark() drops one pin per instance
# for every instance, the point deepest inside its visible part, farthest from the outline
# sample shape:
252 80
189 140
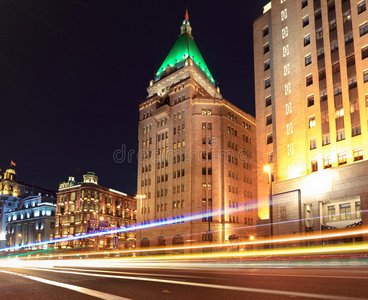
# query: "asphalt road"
181 281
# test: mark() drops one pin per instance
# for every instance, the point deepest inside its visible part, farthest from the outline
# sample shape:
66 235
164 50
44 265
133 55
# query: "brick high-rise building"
311 110
197 155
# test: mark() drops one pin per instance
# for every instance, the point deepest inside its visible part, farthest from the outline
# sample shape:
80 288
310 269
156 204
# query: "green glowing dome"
184 48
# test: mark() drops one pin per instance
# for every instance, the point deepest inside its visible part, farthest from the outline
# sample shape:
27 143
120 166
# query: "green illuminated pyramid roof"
185 48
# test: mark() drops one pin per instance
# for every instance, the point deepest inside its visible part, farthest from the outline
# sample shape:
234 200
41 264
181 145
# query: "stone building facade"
197 156
88 207
312 112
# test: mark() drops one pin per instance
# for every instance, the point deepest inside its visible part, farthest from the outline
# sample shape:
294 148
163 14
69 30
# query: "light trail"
284 240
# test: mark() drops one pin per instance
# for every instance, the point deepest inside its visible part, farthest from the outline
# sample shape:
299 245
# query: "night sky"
72 74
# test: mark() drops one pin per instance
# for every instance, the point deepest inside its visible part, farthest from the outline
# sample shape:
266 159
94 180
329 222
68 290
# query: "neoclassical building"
197 156
88 207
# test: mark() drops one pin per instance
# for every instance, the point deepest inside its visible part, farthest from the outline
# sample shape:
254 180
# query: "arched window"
145 242
178 240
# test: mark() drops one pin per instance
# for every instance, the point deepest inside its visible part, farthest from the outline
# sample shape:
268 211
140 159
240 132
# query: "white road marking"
213 286
131 273
75 288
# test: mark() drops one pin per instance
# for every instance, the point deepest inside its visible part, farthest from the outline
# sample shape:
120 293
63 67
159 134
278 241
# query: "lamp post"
267 169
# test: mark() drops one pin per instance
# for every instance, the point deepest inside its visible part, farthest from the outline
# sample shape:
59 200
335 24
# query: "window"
204 111
304 3
268 101
352 83
321 53
308 60
269 138
267 83
313 143
342 158
312 122
307 40
265 31
305 21
365 76
354 106
266 48
358 154
270 157
357 210
204 125
340 135
209 126
326 139
309 80
327 163
345 210
334 46
337 89
365 52
331 213
339 113
319 33
363 29
349 38
332 25
268 120
361 7
310 100
323 95
267 65
314 166
355 130
325 118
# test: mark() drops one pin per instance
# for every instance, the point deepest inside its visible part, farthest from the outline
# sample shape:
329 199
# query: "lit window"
285 32
345 211
354 106
284 14
308 59
319 34
310 100
363 29
288 108
327 163
285 50
307 40
268 120
331 213
355 130
312 122
204 125
358 154
358 210
287 89
339 113
305 21
267 83
289 128
314 166
340 135
365 76
313 143
361 7
342 158
326 139
286 69
204 111
309 80
290 149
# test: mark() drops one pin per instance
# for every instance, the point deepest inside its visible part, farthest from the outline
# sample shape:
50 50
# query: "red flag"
186 15
12 163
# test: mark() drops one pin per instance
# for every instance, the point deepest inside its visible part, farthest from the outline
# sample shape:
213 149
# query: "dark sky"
72 74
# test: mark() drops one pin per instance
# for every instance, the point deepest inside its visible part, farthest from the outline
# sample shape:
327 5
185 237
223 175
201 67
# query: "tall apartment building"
197 155
311 110
88 207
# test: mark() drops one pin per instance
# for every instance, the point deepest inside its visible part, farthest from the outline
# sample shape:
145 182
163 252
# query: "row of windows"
180 129
179 144
207 125
341 160
345 211
206 111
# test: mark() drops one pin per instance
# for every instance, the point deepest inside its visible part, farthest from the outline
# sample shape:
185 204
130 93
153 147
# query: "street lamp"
267 169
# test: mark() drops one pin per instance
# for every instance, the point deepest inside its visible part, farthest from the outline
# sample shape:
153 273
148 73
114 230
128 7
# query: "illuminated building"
31 222
311 110
11 194
88 207
197 155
